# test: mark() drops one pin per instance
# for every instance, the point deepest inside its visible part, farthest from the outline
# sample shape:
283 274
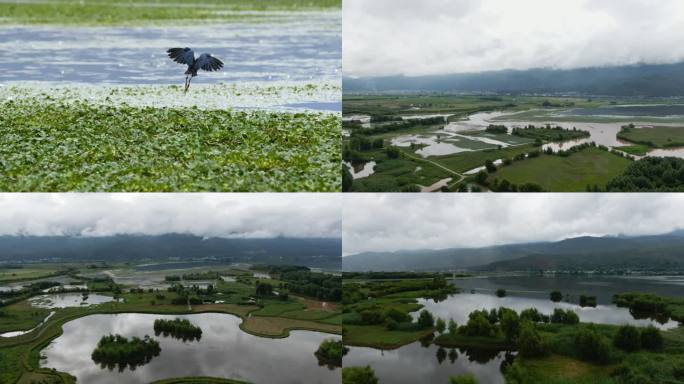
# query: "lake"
603 287
459 306
413 363
290 62
450 139
223 351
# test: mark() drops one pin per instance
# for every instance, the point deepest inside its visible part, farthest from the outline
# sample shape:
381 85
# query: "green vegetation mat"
77 146
136 12
588 167
637 149
655 137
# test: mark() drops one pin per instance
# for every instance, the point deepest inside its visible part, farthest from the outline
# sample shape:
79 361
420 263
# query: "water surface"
413 363
223 351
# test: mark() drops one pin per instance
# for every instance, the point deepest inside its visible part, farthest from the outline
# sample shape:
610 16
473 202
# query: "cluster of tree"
650 174
503 322
435 288
118 351
587 301
644 305
330 353
561 316
384 118
404 124
394 275
506 186
363 144
189 295
556 296
498 129
177 328
322 286
549 133
630 338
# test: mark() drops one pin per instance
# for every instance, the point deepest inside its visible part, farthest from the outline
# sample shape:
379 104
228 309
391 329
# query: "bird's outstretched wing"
182 55
209 63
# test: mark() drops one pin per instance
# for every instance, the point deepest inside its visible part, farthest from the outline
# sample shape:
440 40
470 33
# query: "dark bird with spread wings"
186 56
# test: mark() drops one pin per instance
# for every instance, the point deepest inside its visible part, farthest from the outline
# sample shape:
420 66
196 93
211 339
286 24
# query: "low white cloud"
390 37
391 222
211 215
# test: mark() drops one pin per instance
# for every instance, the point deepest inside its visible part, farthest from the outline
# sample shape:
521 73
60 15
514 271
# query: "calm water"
459 306
64 300
307 47
414 364
629 110
603 287
223 351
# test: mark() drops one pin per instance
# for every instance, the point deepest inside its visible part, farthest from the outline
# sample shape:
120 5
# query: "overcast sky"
222 215
410 37
391 222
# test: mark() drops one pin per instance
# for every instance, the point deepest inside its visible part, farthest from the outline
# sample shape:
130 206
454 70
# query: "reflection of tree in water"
659 317
179 336
480 355
441 355
509 357
453 355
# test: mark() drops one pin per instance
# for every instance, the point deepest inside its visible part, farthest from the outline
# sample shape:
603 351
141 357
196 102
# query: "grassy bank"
50 146
135 12
588 167
654 137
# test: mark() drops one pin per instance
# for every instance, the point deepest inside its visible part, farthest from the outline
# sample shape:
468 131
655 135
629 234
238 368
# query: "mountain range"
663 80
657 252
313 252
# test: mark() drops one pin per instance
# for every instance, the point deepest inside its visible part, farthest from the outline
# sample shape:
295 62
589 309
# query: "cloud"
391 222
390 37
212 215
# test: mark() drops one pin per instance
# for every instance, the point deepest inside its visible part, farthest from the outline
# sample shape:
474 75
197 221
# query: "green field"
588 167
51 146
637 149
134 12
655 137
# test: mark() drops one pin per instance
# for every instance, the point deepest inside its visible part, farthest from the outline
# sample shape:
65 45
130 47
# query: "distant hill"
657 252
323 253
634 80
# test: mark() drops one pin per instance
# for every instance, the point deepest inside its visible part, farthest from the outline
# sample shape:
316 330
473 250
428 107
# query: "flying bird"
186 56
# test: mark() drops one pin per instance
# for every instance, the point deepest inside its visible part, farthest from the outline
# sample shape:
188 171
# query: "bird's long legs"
187 84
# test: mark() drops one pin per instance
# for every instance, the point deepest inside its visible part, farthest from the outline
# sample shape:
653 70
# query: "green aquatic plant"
49 145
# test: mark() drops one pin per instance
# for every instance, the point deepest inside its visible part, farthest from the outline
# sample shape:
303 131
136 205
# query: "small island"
330 353
118 351
178 328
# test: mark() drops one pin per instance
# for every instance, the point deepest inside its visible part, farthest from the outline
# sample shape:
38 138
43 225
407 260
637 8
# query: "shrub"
651 338
627 338
530 342
592 346
425 319
359 375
